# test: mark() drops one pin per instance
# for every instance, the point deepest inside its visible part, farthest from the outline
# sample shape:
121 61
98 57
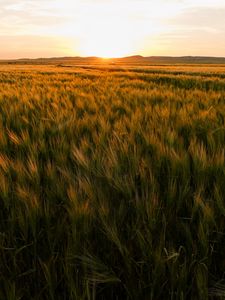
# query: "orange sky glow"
111 28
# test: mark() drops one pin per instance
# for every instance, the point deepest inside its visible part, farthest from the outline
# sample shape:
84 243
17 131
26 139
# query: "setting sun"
108 40
107 31
115 29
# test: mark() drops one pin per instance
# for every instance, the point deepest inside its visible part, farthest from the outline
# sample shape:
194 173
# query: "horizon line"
108 58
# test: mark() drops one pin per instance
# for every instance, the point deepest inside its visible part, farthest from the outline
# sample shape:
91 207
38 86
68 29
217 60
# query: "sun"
106 46
107 43
115 29
107 37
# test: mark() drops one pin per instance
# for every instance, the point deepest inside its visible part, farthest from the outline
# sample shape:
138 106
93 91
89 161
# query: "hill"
133 60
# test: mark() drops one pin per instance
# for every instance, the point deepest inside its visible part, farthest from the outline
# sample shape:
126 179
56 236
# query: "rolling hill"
132 60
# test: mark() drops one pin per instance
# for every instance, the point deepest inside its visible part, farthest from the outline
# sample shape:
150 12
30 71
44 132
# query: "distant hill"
133 60
175 60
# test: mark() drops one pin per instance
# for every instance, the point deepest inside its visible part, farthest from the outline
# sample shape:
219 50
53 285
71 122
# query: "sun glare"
107 36
118 29
106 46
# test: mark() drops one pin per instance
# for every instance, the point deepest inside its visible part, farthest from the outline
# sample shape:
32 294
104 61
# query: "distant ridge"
135 59
178 59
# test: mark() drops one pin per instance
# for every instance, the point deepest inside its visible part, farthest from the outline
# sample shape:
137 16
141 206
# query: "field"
112 182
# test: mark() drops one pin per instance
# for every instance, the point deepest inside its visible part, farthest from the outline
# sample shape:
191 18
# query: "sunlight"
106 46
118 29
107 38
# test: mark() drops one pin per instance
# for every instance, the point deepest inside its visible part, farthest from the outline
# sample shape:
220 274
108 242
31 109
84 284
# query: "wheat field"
112 182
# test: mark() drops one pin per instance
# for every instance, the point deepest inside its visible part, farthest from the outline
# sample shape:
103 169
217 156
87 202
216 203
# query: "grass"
112 182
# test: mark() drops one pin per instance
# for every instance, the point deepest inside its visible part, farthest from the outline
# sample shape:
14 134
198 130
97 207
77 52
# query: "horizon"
110 58
111 28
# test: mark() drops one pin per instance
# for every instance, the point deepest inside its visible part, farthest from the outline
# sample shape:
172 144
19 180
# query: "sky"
111 28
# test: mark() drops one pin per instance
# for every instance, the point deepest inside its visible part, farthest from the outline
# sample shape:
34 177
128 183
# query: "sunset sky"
111 28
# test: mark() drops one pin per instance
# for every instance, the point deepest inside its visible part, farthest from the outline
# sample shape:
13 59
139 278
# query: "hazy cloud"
202 18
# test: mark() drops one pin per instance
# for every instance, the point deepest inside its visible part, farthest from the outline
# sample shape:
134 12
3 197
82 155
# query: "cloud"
191 43
197 31
28 17
211 19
